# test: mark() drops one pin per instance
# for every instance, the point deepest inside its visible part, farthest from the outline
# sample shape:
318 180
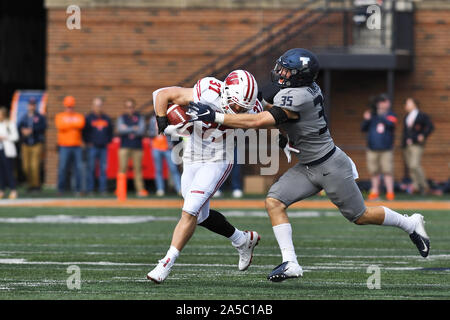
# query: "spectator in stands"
417 126
97 134
8 136
131 129
32 128
380 126
70 125
161 149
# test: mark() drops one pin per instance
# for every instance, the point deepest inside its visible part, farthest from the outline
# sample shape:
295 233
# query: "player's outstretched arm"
259 120
275 116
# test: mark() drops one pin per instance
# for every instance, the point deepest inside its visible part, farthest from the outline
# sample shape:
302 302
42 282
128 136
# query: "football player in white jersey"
207 161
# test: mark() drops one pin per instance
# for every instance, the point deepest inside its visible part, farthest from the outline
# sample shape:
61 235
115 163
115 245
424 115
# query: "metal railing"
248 46
354 35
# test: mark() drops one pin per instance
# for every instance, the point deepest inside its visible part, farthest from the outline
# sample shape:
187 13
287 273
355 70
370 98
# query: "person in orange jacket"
70 125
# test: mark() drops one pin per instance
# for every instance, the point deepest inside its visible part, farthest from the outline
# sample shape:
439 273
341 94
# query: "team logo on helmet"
295 68
241 89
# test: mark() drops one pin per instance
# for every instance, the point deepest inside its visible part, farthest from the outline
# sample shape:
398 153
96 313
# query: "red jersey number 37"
215 86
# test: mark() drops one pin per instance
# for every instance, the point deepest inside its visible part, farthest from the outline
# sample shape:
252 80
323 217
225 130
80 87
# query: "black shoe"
419 237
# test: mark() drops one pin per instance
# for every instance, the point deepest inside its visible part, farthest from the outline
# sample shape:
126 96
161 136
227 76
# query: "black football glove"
201 112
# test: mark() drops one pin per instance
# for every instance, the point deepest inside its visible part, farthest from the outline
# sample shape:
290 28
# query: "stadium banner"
20 101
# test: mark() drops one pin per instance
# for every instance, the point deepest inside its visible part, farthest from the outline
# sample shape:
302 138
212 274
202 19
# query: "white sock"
283 234
395 219
237 238
171 254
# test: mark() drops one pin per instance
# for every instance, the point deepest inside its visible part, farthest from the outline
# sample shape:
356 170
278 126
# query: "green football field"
113 249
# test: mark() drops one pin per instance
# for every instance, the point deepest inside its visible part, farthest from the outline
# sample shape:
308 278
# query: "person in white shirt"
8 136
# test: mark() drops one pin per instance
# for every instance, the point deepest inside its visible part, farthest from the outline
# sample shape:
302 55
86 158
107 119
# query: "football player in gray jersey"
297 110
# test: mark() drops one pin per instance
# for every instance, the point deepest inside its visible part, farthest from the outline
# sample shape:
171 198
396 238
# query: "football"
177 114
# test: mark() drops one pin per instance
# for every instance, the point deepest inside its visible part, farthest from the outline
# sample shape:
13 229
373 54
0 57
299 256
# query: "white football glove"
287 151
172 131
287 148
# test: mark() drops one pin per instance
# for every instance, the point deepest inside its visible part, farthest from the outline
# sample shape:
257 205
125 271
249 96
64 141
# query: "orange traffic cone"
121 187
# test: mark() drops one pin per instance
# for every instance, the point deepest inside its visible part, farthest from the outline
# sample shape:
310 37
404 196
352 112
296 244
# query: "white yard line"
87 219
207 265
61 218
234 253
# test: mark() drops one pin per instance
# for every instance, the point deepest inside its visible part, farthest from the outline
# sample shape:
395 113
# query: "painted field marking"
207 265
61 218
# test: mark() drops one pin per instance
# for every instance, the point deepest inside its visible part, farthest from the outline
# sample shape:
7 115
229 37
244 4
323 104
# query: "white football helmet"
240 87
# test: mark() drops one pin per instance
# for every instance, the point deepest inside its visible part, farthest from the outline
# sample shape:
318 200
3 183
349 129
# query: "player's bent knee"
274 204
362 220
188 215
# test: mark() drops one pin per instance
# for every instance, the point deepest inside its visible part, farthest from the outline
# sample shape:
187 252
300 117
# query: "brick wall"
123 52
429 83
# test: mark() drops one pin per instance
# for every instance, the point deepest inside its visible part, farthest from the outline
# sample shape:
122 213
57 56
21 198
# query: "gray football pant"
334 175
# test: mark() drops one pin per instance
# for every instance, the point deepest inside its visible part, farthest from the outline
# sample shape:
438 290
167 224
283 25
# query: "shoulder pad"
292 97
257 108
207 89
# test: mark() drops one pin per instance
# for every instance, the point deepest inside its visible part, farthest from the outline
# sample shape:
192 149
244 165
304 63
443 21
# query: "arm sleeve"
41 125
390 120
141 125
61 124
278 114
152 127
20 124
13 134
110 130
291 100
365 125
120 129
81 122
85 131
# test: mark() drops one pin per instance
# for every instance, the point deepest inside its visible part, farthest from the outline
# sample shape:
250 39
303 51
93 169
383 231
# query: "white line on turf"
86 219
61 218
209 265
396 257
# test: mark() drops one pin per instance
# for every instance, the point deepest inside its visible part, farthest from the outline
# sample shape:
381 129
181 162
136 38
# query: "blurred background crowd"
85 143
75 83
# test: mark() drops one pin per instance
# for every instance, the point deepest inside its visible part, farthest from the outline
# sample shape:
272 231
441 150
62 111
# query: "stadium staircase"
269 38
393 51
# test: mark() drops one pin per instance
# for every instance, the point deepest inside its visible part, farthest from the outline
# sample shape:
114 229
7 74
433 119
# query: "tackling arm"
246 121
263 119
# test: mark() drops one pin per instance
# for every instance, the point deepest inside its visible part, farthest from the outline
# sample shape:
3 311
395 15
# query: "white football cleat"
160 272
286 270
419 236
246 250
